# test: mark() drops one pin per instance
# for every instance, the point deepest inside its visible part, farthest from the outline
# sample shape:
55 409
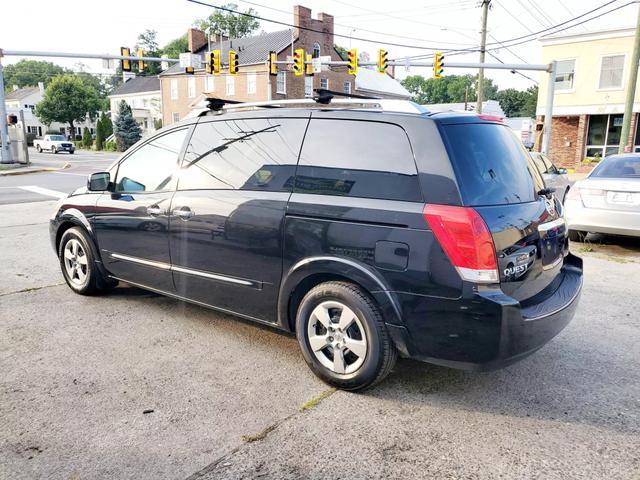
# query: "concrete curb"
27 170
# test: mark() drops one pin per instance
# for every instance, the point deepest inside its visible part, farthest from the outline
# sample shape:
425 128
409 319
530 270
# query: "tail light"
466 240
593 197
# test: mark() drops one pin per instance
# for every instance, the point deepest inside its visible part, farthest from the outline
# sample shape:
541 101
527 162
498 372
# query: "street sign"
190 60
317 64
324 60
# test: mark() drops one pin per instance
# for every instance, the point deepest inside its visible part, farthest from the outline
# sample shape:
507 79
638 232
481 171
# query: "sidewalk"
7 169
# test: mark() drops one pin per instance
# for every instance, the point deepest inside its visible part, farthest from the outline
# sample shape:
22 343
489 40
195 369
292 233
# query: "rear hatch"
498 180
611 194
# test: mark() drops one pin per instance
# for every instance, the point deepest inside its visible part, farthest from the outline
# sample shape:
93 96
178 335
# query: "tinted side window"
491 165
357 159
256 154
153 166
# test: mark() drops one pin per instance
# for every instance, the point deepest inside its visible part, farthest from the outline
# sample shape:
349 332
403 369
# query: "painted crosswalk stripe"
43 191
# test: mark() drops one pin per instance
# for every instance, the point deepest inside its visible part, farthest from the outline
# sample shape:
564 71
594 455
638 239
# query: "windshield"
618 167
56 138
491 165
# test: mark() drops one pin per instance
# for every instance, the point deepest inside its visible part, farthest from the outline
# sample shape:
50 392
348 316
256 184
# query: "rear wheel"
78 263
343 337
577 235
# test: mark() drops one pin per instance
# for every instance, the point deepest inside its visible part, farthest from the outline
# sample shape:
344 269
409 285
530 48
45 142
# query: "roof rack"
323 97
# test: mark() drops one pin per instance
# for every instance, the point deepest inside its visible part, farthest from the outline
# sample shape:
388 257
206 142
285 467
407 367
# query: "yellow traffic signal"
309 65
233 62
213 63
382 61
125 64
298 62
352 61
273 67
438 65
141 63
189 70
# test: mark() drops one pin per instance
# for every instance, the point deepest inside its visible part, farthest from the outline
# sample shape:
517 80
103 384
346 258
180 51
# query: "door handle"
155 210
185 213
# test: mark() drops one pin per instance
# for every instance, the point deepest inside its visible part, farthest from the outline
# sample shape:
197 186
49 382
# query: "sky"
102 27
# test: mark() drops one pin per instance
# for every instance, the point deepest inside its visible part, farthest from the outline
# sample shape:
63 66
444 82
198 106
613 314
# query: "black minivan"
368 233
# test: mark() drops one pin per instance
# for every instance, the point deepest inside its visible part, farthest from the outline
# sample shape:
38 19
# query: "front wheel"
54 150
78 263
38 149
343 336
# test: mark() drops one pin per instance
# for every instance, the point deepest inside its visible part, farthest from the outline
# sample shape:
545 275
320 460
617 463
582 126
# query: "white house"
25 100
371 82
142 94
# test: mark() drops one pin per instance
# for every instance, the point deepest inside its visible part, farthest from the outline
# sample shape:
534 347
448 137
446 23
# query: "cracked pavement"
223 396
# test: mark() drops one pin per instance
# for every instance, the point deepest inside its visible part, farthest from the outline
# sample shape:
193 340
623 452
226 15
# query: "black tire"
93 281
39 149
380 354
72 152
564 197
54 150
577 235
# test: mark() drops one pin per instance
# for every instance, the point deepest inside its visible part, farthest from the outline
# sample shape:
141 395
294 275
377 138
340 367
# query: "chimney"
196 39
327 23
301 18
41 87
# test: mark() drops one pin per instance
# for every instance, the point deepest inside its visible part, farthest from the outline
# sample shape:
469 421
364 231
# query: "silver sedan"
608 200
553 176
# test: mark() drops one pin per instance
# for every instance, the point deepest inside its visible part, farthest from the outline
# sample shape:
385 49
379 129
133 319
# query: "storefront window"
603 135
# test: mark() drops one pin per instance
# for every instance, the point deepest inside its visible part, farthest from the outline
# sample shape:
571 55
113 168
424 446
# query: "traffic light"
213 65
273 67
438 65
382 61
125 65
309 65
189 70
352 61
298 62
233 62
141 63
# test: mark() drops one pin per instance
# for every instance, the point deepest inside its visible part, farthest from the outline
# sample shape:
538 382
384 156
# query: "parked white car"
608 200
54 144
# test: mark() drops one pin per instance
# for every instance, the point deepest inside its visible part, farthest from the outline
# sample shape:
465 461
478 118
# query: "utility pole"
466 98
5 153
631 89
483 46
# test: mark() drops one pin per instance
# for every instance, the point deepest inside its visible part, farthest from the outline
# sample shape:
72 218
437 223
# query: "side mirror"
98 182
562 171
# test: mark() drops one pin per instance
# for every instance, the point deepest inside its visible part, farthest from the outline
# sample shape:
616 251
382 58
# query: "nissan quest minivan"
369 233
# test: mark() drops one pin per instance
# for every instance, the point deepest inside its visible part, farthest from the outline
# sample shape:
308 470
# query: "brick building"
588 103
181 92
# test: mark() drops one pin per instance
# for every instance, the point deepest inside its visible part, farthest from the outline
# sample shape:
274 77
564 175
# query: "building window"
251 83
346 87
603 135
324 83
209 84
175 117
308 86
611 71
281 83
191 87
316 50
231 85
565 71
174 89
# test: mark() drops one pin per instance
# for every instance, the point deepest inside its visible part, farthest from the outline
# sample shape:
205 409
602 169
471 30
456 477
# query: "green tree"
27 73
341 51
148 42
126 129
448 89
107 126
68 99
87 141
232 25
99 134
175 47
530 104
511 101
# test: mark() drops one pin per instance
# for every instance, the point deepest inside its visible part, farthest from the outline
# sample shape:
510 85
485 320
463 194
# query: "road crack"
31 289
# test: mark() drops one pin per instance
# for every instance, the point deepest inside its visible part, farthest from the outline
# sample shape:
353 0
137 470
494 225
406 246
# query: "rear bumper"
489 330
613 222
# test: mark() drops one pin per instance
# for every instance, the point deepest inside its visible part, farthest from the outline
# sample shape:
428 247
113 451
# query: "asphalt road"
39 187
229 399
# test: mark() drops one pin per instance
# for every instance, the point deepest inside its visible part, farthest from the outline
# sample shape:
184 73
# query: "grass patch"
586 249
315 401
260 435
618 259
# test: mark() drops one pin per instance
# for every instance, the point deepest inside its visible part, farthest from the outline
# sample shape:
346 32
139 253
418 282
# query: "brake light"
466 240
491 118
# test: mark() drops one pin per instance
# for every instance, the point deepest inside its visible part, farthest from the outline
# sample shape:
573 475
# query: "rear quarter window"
491 164
357 159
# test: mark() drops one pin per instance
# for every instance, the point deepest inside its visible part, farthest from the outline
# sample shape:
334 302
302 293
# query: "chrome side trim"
188 271
212 276
544 227
141 261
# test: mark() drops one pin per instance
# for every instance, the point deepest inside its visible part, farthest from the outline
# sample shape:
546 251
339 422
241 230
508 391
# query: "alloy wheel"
337 337
75 262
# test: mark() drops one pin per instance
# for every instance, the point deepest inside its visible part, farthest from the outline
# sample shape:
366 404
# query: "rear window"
491 165
618 167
